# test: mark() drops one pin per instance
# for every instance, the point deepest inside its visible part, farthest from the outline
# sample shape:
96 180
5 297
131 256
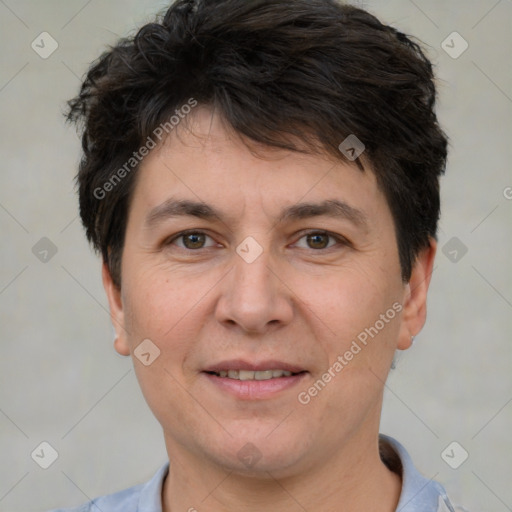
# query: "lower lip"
255 389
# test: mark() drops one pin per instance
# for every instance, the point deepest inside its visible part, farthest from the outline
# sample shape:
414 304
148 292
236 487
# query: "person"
261 178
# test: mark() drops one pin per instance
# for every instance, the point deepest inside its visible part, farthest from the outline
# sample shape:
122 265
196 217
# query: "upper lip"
240 364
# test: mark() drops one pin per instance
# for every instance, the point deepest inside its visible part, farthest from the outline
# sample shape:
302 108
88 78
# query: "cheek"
347 310
159 304
348 300
165 313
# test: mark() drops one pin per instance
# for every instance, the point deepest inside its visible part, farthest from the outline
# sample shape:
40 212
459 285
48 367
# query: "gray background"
62 382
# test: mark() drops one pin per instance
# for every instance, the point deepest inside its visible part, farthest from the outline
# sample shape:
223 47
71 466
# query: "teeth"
280 373
252 375
264 375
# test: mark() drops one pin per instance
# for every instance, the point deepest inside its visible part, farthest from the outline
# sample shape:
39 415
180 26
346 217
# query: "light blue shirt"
418 493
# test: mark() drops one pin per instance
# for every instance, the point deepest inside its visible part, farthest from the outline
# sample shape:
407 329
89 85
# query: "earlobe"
121 347
415 296
116 311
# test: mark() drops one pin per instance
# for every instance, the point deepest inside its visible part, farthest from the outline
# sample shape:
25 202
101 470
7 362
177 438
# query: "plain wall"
61 380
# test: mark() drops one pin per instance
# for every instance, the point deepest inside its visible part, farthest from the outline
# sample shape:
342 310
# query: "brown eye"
192 240
318 240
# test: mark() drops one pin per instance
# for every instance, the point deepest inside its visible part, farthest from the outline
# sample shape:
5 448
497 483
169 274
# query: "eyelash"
339 239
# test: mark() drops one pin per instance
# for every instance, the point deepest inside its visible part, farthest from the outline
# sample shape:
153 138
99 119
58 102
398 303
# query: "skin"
298 302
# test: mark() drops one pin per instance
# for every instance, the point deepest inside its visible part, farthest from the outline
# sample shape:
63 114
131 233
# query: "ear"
414 311
116 311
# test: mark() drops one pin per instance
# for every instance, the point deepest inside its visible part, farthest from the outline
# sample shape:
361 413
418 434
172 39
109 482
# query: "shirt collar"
418 493
150 499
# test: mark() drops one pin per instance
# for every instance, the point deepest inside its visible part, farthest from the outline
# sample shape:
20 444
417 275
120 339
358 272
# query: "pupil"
194 240
317 241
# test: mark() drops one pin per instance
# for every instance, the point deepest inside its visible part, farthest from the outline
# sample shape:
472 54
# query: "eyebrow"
330 208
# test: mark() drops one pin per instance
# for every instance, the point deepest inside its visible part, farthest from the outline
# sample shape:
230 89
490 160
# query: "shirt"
418 493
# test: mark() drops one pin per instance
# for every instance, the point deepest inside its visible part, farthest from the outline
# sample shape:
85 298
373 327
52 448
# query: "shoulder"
145 497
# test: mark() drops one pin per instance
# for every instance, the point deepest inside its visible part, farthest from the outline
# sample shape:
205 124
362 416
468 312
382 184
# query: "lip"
240 364
254 389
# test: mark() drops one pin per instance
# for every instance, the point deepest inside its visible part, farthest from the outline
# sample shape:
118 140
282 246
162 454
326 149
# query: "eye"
318 240
192 240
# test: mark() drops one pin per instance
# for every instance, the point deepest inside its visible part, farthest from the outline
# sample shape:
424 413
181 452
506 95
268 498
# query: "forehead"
205 161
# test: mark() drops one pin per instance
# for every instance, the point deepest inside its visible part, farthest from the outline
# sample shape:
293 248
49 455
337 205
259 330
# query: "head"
235 114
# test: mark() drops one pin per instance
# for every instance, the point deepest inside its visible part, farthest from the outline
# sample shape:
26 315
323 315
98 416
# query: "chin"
257 453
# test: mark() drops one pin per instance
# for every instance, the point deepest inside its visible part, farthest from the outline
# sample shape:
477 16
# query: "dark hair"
278 71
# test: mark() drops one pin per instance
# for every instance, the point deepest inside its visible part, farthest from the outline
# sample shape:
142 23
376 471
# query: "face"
261 262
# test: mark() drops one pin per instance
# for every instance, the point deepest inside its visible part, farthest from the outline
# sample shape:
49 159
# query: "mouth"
251 381
254 375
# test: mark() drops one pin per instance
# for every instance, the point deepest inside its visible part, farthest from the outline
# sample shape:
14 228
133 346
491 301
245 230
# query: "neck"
353 479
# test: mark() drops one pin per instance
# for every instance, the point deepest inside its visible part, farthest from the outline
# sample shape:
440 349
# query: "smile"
253 385
253 375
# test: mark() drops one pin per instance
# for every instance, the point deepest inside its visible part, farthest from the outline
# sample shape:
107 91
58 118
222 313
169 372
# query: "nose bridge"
253 297
253 277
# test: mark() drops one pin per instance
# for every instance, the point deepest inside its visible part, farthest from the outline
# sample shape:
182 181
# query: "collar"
418 493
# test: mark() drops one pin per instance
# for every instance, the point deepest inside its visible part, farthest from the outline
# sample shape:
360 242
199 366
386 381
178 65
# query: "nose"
254 297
